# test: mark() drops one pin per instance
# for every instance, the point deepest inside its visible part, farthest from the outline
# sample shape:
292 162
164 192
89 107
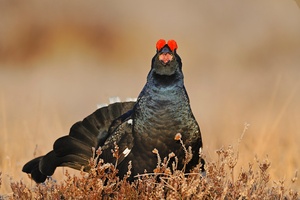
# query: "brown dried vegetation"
219 182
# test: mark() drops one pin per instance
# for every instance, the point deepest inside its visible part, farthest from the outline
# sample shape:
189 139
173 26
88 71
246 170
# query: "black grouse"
161 111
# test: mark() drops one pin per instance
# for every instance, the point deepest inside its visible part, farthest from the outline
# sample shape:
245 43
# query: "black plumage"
161 111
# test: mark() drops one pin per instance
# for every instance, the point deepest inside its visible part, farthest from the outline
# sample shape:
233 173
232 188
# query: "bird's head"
166 61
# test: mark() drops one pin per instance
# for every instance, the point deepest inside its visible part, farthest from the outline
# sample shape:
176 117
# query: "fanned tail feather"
75 149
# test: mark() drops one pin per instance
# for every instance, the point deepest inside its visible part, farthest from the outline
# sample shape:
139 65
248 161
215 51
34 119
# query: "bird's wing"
121 141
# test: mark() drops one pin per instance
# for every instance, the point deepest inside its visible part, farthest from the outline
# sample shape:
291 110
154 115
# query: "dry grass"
102 182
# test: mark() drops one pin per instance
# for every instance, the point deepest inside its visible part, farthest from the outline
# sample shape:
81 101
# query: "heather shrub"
219 182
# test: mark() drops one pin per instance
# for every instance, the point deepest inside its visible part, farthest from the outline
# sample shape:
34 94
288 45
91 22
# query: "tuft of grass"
220 182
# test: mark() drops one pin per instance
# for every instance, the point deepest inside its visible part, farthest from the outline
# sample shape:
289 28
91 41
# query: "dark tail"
75 149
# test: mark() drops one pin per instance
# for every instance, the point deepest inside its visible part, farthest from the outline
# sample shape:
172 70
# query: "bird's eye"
160 44
172 44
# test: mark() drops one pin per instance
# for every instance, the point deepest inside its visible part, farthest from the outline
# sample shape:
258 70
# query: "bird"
161 111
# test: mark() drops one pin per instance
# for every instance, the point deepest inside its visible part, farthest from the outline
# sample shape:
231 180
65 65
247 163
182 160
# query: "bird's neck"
164 81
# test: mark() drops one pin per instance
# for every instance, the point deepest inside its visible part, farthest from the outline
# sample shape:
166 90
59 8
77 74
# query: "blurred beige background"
59 59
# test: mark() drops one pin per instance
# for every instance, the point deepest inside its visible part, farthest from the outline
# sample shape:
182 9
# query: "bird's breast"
159 116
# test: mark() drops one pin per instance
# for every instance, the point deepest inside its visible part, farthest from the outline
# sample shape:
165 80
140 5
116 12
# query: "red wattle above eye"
160 44
172 44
